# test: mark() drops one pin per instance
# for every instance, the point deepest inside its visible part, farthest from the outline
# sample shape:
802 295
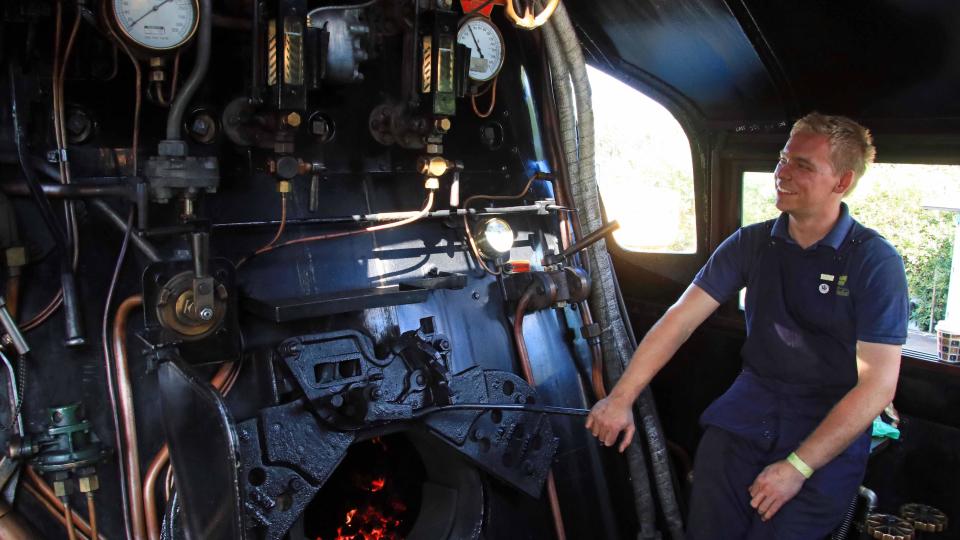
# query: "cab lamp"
494 238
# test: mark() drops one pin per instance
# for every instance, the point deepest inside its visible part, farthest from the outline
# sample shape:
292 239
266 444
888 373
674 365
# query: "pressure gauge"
486 47
157 25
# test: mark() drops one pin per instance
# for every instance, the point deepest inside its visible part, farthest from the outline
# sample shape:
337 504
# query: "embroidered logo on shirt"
824 288
842 290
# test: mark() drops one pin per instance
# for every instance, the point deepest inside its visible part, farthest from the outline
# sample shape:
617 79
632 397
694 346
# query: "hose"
636 462
564 47
179 105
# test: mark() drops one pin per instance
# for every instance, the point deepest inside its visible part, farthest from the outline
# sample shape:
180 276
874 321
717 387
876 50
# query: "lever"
582 244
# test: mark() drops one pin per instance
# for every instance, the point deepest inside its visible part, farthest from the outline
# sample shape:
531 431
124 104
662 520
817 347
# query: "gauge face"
486 47
156 24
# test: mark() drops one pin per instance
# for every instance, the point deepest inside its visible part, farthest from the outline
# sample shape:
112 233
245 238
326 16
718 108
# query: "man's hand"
608 418
774 486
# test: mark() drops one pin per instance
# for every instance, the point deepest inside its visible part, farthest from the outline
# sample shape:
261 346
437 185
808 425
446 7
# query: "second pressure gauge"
156 25
486 47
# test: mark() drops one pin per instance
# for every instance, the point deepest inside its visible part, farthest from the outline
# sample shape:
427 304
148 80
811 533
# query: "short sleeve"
725 272
881 301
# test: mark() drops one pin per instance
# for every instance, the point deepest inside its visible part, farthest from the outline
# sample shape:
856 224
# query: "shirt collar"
833 238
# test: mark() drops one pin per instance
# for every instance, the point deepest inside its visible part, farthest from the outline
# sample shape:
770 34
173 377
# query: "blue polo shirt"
805 311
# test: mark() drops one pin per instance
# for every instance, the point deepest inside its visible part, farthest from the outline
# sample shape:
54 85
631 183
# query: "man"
785 448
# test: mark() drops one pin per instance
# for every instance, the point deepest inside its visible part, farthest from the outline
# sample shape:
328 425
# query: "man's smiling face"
805 180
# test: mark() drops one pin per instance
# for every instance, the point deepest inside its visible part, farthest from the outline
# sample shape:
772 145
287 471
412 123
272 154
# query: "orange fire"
371 523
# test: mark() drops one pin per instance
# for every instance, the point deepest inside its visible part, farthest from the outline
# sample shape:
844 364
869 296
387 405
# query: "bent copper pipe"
219 381
131 456
528 375
39 488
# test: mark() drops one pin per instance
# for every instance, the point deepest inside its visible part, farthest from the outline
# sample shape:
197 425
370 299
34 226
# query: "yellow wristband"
799 465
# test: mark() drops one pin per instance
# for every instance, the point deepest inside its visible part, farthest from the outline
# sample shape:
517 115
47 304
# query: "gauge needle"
155 8
475 42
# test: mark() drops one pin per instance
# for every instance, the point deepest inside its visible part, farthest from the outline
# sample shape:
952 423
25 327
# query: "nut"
206 314
284 186
292 120
16 256
89 483
60 488
443 124
433 148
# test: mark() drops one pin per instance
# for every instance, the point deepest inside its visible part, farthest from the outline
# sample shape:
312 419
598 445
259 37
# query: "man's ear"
844 184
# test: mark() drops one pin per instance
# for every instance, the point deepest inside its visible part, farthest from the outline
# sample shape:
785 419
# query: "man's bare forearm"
856 410
662 341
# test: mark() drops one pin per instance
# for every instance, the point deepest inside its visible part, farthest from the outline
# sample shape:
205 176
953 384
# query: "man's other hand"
608 418
774 486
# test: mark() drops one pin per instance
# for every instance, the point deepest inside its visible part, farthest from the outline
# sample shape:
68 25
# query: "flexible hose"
603 298
202 63
636 462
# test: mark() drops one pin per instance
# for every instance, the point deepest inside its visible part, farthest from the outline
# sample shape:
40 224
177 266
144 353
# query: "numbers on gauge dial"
486 47
157 24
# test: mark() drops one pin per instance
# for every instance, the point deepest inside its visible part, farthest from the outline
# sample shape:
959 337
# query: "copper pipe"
149 492
68 515
552 494
131 456
50 507
39 488
13 526
562 190
220 381
13 295
92 514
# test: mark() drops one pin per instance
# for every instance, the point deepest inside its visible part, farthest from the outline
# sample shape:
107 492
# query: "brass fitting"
16 256
291 120
432 183
433 148
284 186
88 483
157 69
443 124
434 165
60 488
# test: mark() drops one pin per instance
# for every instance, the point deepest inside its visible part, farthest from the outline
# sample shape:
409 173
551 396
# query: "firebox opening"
375 493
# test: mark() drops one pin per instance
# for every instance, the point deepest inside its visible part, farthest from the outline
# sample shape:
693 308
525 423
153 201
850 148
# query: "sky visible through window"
644 169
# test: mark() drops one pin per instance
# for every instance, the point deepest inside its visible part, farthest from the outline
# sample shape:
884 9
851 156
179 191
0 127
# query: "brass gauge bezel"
503 45
124 34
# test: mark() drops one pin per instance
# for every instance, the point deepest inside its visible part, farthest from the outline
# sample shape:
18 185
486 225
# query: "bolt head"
206 314
293 119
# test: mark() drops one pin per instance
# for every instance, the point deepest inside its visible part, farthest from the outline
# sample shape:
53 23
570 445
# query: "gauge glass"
157 24
496 238
486 47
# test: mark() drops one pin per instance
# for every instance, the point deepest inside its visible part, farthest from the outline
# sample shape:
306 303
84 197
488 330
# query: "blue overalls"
799 360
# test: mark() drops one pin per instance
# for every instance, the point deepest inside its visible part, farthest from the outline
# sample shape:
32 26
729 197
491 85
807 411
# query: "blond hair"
851 145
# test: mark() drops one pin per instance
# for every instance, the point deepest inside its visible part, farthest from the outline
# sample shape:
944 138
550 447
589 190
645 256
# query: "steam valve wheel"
888 527
924 518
